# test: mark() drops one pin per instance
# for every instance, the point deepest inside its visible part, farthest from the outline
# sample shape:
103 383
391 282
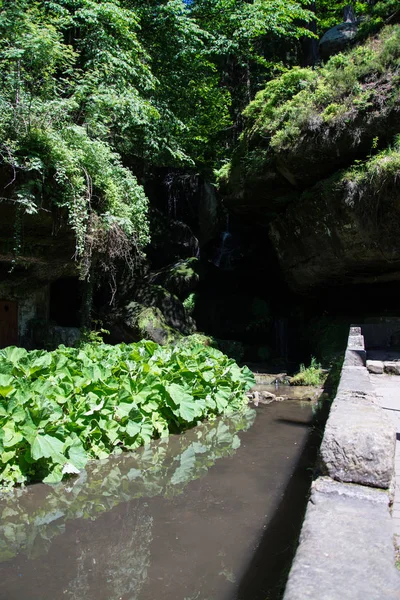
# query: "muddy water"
208 515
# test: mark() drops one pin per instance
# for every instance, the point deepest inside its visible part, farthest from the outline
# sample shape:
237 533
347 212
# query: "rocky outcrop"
181 278
337 39
318 165
335 234
135 322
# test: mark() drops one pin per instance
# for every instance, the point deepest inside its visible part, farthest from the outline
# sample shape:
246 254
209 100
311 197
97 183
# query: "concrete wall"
346 548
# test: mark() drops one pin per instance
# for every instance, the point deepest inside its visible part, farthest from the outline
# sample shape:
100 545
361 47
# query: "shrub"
59 409
289 105
312 375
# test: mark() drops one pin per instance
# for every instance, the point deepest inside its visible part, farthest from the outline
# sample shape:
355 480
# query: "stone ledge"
346 546
392 367
355 379
346 549
355 357
359 443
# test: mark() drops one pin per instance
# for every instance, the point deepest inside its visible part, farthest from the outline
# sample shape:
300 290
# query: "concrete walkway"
387 389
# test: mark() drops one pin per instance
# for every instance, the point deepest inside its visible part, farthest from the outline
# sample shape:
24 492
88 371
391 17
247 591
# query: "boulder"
170 306
337 39
181 278
135 322
375 366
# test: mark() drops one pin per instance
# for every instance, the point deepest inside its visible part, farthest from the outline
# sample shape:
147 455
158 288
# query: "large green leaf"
14 354
77 455
47 446
6 385
10 436
187 408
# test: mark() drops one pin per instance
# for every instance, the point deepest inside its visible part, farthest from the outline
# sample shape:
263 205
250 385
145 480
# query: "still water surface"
207 515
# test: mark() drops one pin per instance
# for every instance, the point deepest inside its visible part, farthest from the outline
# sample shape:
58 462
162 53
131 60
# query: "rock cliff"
319 165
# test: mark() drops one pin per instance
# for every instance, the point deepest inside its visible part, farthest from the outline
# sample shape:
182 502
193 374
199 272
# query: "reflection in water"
33 516
161 523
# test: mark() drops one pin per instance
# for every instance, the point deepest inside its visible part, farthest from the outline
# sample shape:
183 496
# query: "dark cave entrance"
8 323
66 302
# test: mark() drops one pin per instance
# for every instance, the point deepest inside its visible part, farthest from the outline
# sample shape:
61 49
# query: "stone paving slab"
346 546
387 388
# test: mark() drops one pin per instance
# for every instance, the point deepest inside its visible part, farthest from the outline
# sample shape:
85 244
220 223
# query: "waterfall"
223 250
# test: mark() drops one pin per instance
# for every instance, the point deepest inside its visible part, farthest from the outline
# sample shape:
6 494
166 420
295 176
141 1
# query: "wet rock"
375 366
261 397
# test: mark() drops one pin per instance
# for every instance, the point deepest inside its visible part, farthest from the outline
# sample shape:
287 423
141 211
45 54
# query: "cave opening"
66 302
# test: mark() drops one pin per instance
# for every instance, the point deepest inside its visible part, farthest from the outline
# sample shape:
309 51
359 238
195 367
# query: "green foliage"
312 375
373 14
93 335
372 177
331 13
56 152
190 303
303 100
239 27
61 408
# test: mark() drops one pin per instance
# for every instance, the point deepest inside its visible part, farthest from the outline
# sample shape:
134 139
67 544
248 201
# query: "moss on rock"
135 322
307 124
181 278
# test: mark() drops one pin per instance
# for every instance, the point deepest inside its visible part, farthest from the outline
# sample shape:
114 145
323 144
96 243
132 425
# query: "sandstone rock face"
339 243
333 220
359 442
337 39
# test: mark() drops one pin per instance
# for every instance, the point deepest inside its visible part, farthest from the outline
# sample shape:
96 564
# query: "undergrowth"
303 99
59 409
313 375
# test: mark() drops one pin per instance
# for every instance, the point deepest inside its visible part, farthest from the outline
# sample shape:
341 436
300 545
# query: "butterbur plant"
60 409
